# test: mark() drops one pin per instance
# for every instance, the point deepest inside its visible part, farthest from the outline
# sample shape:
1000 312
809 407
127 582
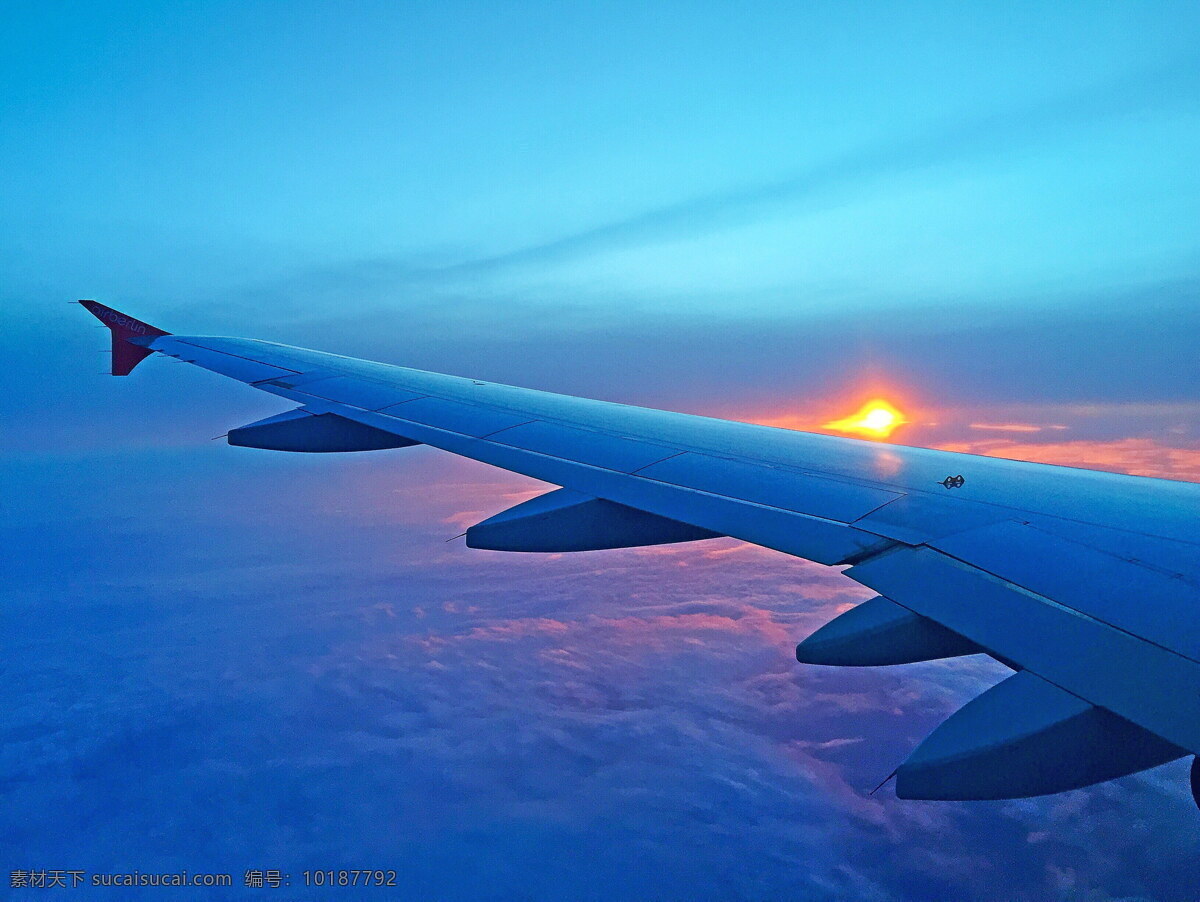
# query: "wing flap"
1119 592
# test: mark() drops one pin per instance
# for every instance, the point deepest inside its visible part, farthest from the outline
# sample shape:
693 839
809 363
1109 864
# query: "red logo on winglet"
125 355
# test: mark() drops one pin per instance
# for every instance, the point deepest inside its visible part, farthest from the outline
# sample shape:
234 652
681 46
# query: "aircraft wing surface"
1085 583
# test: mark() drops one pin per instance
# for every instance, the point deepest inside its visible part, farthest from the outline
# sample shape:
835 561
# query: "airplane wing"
1086 584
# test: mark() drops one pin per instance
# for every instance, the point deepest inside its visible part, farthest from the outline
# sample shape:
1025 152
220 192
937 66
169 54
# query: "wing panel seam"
191 344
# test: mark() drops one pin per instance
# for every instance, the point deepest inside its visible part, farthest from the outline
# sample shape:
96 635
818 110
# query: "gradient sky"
217 659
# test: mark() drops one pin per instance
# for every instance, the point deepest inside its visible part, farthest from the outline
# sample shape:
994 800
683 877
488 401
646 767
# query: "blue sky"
767 212
679 158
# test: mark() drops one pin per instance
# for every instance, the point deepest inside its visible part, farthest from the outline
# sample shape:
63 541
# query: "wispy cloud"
1014 427
1135 456
963 139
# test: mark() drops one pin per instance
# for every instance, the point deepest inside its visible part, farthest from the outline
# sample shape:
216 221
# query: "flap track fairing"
879 631
1027 737
302 430
569 521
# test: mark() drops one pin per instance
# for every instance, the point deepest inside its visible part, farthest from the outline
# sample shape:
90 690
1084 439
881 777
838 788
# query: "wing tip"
129 335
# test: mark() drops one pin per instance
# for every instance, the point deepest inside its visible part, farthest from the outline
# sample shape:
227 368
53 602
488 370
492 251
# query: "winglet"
129 337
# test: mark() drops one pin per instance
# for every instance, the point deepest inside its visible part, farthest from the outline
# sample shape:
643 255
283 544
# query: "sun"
877 418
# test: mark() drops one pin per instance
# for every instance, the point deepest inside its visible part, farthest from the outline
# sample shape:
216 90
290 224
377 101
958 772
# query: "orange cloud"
1135 456
1014 427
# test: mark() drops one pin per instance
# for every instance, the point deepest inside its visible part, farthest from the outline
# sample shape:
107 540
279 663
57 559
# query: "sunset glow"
877 419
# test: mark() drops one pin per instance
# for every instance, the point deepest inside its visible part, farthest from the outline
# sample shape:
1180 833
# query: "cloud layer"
254 660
